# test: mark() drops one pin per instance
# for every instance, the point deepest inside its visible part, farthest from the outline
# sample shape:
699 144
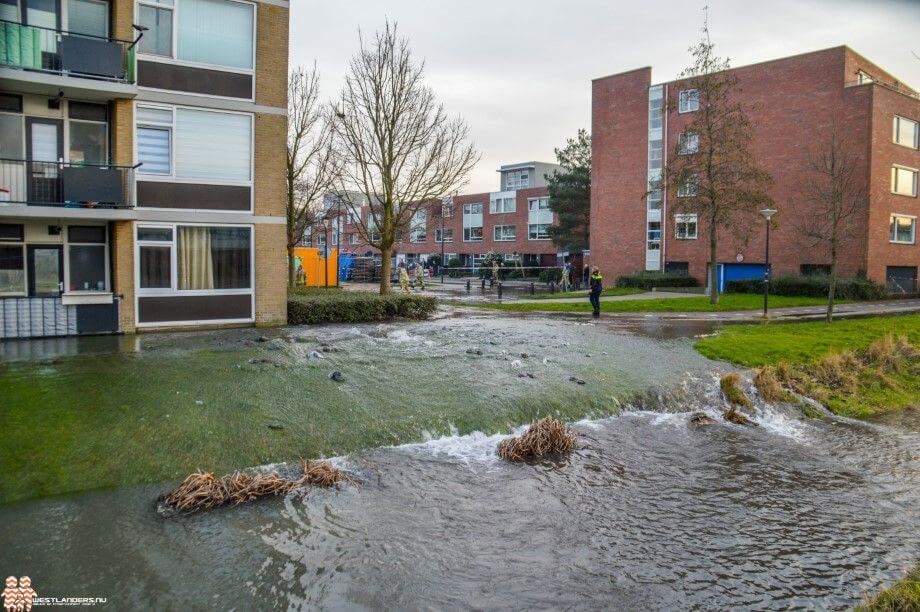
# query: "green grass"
902 596
796 343
584 294
801 345
727 303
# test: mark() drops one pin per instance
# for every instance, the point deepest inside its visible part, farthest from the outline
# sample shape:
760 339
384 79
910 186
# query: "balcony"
44 61
65 185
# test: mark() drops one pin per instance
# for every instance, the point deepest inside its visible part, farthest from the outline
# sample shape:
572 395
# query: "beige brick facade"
270 152
123 20
271 55
123 272
271 275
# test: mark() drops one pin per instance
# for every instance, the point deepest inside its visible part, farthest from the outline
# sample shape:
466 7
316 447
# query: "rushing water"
651 512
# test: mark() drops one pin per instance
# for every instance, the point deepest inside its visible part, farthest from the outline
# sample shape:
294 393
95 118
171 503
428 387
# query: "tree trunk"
386 269
290 251
832 284
713 265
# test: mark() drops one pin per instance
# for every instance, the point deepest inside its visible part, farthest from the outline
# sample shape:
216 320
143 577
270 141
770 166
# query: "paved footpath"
648 295
856 309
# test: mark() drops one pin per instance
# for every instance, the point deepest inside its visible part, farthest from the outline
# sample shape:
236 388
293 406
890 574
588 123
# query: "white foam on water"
475 447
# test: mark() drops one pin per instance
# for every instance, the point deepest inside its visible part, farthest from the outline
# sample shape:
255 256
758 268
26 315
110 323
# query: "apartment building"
793 104
512 221
141 164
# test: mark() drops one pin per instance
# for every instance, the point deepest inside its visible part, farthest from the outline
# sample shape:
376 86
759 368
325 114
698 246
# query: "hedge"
550 275
357 307
812 286
649 280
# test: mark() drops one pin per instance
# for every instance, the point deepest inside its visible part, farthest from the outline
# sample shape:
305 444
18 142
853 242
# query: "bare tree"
395 142
838 201
311 166
712 171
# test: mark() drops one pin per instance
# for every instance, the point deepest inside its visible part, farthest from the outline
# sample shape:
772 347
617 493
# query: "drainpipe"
664 164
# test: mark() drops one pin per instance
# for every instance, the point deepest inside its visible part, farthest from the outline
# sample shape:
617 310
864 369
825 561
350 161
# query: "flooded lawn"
650 512
103 412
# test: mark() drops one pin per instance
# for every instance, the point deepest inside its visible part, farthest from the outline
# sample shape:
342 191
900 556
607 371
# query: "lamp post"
767 213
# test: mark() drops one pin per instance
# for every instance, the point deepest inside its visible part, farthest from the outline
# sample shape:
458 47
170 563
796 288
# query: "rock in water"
337 376
316 355
262 338
699 418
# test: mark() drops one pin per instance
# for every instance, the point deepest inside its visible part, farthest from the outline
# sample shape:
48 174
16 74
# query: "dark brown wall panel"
194 80
151 194
164 309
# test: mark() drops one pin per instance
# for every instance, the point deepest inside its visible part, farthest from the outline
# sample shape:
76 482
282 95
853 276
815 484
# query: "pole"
442 245
338 241
326 252
766 273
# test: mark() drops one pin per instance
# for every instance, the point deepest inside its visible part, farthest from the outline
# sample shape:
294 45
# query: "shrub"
357 307
812 286
550 275
650 280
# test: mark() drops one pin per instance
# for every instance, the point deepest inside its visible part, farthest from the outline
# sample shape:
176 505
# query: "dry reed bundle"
205 491
731 389
769 383
543 437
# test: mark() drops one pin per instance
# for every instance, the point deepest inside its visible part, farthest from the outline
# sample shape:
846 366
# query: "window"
814 269
12 269
158 39
904 181
88 142
200 258
689 188
538 231
688 143
499 204
216 32
213 146
680 268
504 233
11 139
862 78
654 230
906 132
155 245
685 227
417 228
903 229
444 235
472 234
688 101
87 258
12 231
472 222
517 179
90 17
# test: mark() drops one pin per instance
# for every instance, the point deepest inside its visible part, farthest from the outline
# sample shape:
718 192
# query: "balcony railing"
66 185
40 49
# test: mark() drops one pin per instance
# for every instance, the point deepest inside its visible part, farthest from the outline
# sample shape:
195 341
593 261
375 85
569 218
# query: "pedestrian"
596 287
404 277
495 271
564 280
420 275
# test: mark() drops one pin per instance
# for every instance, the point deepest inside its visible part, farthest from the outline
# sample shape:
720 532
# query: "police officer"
596 287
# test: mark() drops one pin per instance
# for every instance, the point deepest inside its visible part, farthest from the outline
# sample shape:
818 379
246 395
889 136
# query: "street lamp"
767 213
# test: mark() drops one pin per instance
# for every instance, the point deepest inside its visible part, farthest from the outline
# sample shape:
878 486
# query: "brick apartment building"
792 104
141 177
511 221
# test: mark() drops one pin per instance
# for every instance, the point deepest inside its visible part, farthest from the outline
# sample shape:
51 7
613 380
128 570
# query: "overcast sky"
520 73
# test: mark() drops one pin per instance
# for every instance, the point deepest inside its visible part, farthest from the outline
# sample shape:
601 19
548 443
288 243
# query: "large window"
539 218
689 188
685 227
472 222
444 235
505 233
195 258
417 230
194 144
517 179
87 258
903 229
11 140
500 204
12 269
213 32
688 143
904 181
688 101
906 132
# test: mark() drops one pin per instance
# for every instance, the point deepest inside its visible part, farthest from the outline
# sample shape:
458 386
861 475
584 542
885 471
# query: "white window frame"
173 289
499 204
498 233
439 232
531 231
683 139
467 228
913 229
684 97
689 188
171 177
67 246
894 181
685 220
896 129
174 57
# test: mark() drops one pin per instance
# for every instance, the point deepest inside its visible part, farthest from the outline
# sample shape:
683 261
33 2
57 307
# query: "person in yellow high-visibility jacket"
420 275
403 278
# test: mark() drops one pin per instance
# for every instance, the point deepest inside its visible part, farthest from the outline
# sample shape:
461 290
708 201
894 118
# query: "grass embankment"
902 596
858 367
728 302
584 294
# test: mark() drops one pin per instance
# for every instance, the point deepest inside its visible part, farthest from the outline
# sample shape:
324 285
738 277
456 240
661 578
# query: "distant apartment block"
141 164
792 103
512 221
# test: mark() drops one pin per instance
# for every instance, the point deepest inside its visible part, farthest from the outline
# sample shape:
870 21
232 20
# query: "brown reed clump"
544 437
837 370
733 415
731 388
769 383
205 491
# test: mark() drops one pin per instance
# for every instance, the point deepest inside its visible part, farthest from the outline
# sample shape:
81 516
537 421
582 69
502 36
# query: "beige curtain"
196 268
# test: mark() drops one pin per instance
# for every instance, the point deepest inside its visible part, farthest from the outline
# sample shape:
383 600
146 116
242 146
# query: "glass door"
44 149
46 270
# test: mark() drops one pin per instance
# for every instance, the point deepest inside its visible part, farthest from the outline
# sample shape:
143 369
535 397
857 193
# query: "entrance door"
44 150
46 270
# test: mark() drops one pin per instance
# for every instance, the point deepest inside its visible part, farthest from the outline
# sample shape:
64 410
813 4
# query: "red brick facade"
792 103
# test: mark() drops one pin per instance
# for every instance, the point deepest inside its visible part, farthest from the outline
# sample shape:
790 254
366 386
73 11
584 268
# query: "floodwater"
651 511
